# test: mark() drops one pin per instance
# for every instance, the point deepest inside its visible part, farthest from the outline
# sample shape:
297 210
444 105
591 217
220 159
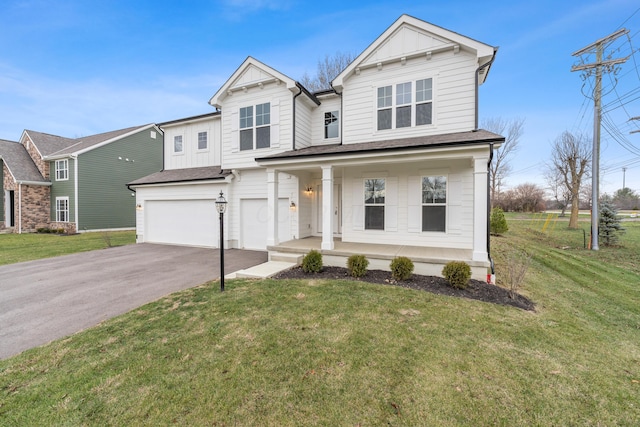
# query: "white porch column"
327 207
480 177
272 207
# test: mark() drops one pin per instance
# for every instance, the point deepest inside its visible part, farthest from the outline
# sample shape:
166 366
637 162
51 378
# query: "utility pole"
624 172
588 69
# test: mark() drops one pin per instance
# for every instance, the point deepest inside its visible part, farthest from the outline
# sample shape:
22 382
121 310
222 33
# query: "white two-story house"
389 161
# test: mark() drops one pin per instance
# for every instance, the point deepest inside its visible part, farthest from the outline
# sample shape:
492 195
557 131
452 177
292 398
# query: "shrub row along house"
52 182
388 161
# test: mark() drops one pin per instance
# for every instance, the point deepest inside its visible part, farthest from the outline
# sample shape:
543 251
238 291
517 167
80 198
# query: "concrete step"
286 257
265 270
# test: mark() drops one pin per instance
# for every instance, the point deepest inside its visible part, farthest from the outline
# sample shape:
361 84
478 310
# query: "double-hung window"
62 170
62 209
405 104
177 144
434 203
255 134
202 140
374 195
331 124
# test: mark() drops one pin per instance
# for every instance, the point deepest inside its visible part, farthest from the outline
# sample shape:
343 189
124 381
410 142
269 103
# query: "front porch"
427 261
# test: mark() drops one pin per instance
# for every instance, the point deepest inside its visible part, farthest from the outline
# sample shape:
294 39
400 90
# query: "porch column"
480 177
272 207
327 207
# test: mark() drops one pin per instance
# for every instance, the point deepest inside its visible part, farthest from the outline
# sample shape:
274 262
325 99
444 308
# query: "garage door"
182 222
253 223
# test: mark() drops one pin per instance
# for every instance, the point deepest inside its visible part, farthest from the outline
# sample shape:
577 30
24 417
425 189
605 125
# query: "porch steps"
262 271
286 257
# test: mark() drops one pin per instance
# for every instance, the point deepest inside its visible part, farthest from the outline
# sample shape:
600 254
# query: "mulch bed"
477 290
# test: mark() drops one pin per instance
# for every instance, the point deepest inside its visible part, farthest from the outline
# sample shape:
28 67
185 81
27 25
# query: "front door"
337 209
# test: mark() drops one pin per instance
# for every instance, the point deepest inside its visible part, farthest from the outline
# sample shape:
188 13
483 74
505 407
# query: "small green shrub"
457 274
498 223
357 265
401 268
312 262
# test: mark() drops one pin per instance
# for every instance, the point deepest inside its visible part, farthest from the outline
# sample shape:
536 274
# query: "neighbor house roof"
182 175
19 163
58 146
476 137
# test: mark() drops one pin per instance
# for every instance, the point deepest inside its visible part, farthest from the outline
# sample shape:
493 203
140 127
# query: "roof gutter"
293 132
477 87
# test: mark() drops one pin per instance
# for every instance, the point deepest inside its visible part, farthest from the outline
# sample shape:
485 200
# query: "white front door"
337 209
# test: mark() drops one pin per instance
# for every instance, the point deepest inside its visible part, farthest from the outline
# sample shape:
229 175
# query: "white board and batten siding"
280 99
403 206
191 156
453 96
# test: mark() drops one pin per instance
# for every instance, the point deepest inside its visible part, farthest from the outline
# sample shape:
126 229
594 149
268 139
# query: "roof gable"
19 163
251 73
91 142
410 37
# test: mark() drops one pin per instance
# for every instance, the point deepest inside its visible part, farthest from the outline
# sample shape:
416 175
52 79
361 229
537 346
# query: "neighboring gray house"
75 184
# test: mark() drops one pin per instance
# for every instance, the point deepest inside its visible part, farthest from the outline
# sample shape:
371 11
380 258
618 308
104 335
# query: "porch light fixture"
308 190
292 206
221 207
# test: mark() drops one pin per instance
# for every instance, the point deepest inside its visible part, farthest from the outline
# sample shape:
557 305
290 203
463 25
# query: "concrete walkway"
47 299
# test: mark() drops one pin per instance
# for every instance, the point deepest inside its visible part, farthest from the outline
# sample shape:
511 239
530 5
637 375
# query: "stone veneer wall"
35 208
42 166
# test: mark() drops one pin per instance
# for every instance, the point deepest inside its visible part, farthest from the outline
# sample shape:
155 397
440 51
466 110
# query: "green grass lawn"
26 247
266 353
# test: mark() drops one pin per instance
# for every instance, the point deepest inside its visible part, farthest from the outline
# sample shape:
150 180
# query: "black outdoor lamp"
221 206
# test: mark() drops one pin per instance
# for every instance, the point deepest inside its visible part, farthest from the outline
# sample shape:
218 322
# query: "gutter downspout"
293 145
491 278
19 208
75 191
480 68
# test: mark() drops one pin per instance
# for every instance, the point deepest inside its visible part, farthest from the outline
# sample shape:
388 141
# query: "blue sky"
73 68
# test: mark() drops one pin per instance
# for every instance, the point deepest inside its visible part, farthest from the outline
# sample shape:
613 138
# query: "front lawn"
29 246
317 352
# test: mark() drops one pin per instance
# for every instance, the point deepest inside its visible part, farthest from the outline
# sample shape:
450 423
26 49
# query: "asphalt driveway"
47 299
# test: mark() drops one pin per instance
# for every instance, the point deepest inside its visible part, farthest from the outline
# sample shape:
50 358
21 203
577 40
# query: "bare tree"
570 158
526 197
561 195
512 131
328 69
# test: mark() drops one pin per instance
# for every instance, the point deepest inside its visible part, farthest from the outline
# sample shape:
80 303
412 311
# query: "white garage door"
182 222
253 223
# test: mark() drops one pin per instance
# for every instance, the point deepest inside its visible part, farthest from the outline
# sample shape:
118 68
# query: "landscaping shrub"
498 223
357 265
457 274
401 268
312 262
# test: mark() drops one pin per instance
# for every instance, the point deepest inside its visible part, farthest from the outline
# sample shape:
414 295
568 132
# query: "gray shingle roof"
182 175
19 162
477 137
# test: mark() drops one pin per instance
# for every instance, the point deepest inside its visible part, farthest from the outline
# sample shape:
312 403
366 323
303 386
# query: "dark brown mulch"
477 290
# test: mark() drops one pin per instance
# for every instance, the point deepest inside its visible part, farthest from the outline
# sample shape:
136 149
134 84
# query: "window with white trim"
255 134
331 124
62 170
177 144
434 203
62 209
202 141
405 104
374 196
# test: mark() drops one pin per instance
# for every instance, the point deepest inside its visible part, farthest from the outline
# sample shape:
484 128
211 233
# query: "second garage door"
253 223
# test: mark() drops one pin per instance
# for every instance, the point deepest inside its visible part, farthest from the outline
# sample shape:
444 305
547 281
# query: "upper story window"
331 124
62 170
434 203
405 104
202 141
256 133
374 195
177 144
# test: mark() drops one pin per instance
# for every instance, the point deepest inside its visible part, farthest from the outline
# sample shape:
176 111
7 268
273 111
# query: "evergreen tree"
498 223
610 226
